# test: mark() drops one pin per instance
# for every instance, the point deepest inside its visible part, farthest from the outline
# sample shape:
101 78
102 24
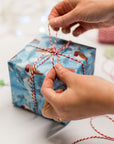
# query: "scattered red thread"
52 52
103 136
110 118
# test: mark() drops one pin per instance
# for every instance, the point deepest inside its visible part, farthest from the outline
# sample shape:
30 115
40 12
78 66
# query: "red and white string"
102 136
52 52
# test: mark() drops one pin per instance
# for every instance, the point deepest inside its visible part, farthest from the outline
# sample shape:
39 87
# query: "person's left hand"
84 97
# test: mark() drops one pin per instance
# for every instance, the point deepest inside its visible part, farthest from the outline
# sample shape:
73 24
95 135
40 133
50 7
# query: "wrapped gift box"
26 90
106 35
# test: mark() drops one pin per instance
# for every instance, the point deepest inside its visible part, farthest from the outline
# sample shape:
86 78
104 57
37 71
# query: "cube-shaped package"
28 68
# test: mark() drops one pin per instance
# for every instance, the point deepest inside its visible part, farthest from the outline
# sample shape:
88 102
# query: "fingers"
64 20
83 27
48 111
54 98
67 29
49 79
62 8
64 74
50 95
53 107
63 14
47 87
79 31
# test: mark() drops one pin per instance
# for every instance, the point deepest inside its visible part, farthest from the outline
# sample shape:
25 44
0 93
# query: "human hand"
89 14
84 97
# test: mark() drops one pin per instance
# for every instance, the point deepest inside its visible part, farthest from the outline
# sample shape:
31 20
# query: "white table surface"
18 126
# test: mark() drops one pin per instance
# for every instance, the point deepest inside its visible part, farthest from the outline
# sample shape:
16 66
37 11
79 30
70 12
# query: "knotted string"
52 52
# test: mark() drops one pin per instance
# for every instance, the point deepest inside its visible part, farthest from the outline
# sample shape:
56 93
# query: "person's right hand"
84 97
89 14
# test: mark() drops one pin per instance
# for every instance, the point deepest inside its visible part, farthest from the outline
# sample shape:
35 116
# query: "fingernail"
64 31
52 23
77 33
58 66
56 29
53 20
45 111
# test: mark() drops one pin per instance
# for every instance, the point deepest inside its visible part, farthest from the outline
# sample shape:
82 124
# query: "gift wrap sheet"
21 64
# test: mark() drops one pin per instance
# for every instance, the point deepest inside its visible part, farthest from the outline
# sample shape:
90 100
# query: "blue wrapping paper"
21 64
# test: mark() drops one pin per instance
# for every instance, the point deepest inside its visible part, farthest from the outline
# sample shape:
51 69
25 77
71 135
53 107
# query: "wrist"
109 93
103 98
112 94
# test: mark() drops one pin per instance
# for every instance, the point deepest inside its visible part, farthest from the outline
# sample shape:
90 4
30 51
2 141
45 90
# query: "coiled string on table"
102 136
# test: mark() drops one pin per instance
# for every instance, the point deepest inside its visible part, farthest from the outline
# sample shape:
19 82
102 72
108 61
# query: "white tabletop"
18 126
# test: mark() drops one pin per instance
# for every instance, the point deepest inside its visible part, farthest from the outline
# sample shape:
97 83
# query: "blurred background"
20 22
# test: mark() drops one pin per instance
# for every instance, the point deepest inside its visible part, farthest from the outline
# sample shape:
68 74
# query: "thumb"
50 95
64 74
64 20
48 111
